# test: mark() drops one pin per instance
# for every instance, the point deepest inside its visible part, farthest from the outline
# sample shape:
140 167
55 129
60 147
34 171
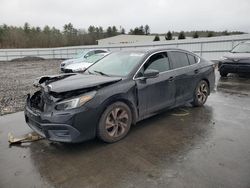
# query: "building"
128 39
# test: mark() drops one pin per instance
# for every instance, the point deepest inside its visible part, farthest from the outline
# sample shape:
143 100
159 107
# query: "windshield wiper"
90 72
101 73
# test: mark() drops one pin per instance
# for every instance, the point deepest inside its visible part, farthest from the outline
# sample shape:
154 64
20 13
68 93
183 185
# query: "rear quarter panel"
207 73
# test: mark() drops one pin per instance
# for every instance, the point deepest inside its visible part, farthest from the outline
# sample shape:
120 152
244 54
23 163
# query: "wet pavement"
206 147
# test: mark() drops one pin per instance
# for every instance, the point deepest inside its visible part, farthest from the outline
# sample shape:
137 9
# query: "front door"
155 94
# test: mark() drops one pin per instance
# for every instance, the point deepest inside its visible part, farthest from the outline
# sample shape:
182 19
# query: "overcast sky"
160 15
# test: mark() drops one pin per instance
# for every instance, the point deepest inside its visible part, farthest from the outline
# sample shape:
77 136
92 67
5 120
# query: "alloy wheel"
202 93
117 122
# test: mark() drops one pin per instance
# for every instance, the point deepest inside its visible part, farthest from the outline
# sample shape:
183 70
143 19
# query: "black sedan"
236 61
116 92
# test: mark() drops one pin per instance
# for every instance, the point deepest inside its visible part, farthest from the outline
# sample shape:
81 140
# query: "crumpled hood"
70 82
237 56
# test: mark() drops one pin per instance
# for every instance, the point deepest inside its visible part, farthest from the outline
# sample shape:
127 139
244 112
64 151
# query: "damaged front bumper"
53 131
66 126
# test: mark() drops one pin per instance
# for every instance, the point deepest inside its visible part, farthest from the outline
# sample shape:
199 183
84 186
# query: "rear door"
185 75
155 93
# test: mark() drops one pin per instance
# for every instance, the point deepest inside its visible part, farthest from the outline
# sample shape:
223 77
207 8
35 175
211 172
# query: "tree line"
195 34
36 37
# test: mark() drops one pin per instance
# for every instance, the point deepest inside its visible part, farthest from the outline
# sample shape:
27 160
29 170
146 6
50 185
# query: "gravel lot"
16 80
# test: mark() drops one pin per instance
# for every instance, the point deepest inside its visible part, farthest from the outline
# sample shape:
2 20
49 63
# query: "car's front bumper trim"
51 131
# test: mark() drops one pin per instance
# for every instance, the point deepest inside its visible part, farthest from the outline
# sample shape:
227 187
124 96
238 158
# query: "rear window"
179 59
192 59
99 51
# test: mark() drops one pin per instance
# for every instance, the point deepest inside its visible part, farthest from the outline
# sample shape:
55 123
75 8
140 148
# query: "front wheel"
201 93
115 122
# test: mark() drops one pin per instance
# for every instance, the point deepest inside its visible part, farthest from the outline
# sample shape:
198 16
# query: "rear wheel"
115 122
223 74
201 93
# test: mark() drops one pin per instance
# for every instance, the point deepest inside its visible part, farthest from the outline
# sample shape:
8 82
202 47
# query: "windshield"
80 54
117 64
94 58
242 48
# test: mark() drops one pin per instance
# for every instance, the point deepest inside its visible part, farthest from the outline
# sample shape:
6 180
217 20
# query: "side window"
89 54
99 51
192 59
158 62
179 59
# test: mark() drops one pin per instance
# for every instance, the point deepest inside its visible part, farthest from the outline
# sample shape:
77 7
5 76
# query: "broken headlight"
76 102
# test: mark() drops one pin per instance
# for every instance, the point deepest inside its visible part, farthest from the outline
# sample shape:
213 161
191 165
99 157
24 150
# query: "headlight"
66 63
223 58
76 102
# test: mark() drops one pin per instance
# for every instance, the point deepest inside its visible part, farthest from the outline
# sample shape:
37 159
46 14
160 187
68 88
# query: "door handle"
171 79
196 71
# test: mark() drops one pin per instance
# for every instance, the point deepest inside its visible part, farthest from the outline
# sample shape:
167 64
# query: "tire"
114 123
223 74
201 94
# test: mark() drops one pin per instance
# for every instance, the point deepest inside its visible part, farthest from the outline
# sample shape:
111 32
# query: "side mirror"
151 73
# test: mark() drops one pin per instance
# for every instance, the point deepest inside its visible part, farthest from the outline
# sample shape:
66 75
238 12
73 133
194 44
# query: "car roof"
84 51
92 49
166 49
153 50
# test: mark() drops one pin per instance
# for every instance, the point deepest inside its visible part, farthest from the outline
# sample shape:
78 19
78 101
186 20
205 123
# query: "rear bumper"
234 67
